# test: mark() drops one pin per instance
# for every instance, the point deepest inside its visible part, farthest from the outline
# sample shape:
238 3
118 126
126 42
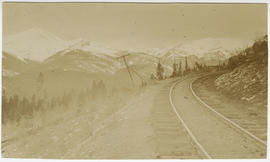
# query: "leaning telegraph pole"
128 69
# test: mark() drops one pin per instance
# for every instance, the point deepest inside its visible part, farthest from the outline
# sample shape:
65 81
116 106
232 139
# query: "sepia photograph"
122 80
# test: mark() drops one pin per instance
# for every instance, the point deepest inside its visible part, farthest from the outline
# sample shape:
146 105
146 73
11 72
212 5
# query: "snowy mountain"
83 61
207 48
93 47
85 56
91 57
33 44
75 55
37 44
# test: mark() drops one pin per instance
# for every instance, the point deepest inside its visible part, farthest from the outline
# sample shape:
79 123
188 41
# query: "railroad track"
234 116
231 124
172 139
206 154
238 119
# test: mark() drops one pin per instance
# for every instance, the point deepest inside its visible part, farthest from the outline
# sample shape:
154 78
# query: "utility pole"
140 76
125 61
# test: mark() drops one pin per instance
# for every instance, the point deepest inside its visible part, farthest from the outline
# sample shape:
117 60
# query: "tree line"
258 52
14 108
179 71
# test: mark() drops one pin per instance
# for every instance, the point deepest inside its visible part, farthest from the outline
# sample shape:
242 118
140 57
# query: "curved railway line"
225 118
251 143
185 125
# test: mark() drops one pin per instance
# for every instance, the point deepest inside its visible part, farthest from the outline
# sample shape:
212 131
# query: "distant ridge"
37 44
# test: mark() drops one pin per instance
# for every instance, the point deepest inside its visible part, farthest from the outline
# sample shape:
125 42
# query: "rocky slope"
247 79
13 65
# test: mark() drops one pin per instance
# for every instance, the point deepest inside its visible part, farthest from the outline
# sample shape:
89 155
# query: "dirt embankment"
115 130
247 78
247 83
250 116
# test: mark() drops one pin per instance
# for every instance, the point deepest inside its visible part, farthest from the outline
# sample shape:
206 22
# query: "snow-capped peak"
34 44
203 47
37 44
34 32
78 43
91 46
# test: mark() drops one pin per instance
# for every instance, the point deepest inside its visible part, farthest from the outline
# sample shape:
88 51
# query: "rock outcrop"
247 79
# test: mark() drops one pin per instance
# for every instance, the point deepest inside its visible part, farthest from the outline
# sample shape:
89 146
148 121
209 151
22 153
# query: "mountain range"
37 44
75 64
37 47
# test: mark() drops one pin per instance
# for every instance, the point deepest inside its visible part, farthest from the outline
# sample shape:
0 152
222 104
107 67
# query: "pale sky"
137 26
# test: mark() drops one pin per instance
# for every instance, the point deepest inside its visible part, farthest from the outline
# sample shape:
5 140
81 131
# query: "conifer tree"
179 72
174 73
40 81
160 71
152 77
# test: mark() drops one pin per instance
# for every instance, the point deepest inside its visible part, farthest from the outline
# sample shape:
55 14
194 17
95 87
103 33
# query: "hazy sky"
137 26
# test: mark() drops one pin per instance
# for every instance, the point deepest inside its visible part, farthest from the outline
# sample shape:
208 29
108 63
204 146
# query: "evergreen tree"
33 103
4 100
174 73
5 107
179 72
24 106
94 89
160 71
186 67
152 77
14 105
101 88
40 81
198 66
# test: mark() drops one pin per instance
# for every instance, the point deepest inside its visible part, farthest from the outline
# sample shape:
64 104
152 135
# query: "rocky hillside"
247 76
13 65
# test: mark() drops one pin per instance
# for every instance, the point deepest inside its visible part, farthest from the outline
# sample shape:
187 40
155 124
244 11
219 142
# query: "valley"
81 100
